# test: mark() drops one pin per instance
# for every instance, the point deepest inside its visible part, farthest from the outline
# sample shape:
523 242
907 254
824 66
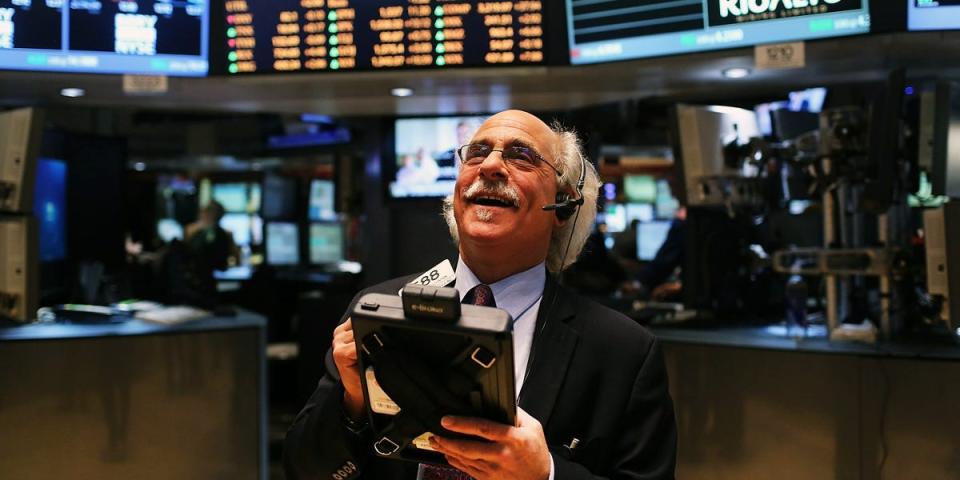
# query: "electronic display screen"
169 230
603 31
283 243
933 14
650 236
269 36
147 37
615 217
640 188
326 243
237 197
246 229
321 200
426 154
49 206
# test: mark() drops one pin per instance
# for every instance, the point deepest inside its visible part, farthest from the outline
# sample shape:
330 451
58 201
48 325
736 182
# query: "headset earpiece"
565 207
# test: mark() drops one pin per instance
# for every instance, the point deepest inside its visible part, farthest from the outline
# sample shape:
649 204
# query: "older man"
593 399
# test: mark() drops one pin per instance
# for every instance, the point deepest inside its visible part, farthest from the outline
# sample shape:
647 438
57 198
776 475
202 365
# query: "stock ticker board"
276 36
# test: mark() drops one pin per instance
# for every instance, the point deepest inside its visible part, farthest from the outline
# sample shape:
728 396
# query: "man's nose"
494 166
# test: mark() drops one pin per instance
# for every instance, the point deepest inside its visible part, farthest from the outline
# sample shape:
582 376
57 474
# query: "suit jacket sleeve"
647 447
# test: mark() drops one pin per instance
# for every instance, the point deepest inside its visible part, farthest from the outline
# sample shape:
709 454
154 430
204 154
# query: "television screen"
246 229
321 200
615 217
933 14
283 243
639 211
169 230
96 36
270 36
49 206
640 188
666 205
326 243
279 197
426 158
617 30
650 236
237 197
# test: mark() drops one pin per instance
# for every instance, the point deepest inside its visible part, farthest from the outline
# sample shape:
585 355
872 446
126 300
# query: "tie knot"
480 295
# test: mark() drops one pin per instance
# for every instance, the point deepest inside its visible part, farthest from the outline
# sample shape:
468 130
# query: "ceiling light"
73 92
401 92
736 72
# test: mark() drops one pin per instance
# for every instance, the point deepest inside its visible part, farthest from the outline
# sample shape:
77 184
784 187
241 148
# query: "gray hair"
568 240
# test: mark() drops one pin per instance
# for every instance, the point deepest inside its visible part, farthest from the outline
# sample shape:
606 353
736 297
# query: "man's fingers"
479 427
468 449
344 327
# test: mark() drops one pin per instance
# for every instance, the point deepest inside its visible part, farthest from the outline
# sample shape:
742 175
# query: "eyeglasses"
524 157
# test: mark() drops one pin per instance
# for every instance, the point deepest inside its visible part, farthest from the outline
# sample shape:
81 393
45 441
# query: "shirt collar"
514 294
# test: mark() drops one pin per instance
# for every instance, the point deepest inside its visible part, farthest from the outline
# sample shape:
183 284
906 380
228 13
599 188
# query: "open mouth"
490 201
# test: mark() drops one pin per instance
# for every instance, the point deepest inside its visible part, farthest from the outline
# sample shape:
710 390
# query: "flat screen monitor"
50 208
326 243
279 197
237 197
426 162
283 243
169 230
640 188
158 37
650 237
642 212
270 36
933 14
666 205
603 31
246 229
322 200
615 217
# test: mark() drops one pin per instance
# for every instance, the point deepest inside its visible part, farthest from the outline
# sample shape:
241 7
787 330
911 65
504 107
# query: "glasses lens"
474 153
521 154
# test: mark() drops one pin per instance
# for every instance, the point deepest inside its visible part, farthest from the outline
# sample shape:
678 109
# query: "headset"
566 206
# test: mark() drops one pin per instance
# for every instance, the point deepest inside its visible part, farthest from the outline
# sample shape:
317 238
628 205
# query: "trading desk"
755 403
134 400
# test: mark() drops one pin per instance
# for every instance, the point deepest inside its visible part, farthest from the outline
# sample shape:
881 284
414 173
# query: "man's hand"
513 453
345 356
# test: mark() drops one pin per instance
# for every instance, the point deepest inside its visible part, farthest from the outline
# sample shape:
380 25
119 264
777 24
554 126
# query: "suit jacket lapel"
551 352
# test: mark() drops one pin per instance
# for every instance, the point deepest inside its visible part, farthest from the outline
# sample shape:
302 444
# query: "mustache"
481 187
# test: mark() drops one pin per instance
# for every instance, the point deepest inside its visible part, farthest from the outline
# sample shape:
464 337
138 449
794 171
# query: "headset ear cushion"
566 211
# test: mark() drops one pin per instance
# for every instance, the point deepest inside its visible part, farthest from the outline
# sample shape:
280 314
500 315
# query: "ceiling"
854 59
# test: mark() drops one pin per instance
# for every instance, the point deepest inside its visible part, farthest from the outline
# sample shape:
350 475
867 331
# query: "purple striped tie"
480 295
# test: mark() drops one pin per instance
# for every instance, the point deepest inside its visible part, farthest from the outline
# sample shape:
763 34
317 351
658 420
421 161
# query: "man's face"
497 200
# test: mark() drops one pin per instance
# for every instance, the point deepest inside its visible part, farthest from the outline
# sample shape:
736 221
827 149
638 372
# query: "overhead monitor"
19 285
425 149
20 134
933 14
322 200
237 197
283 243
326 243
146 37
245 228
49 207
603 31
640 188
279 197
270 36
650 237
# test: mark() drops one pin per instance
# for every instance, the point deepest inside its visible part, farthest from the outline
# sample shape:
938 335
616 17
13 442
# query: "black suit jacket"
597 376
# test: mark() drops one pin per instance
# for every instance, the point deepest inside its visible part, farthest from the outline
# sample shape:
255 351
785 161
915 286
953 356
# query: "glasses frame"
536 154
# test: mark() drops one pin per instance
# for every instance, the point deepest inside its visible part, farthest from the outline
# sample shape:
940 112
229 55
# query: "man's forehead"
515 125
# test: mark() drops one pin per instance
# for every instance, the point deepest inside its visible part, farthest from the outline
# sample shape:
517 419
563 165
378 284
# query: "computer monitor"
322 200
642 212
615 217
666 205
242 226
237 197
50 202
640 188
279 197
326 243
19 283
650 237
933 14
425 149
283 243
169 230
20 134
